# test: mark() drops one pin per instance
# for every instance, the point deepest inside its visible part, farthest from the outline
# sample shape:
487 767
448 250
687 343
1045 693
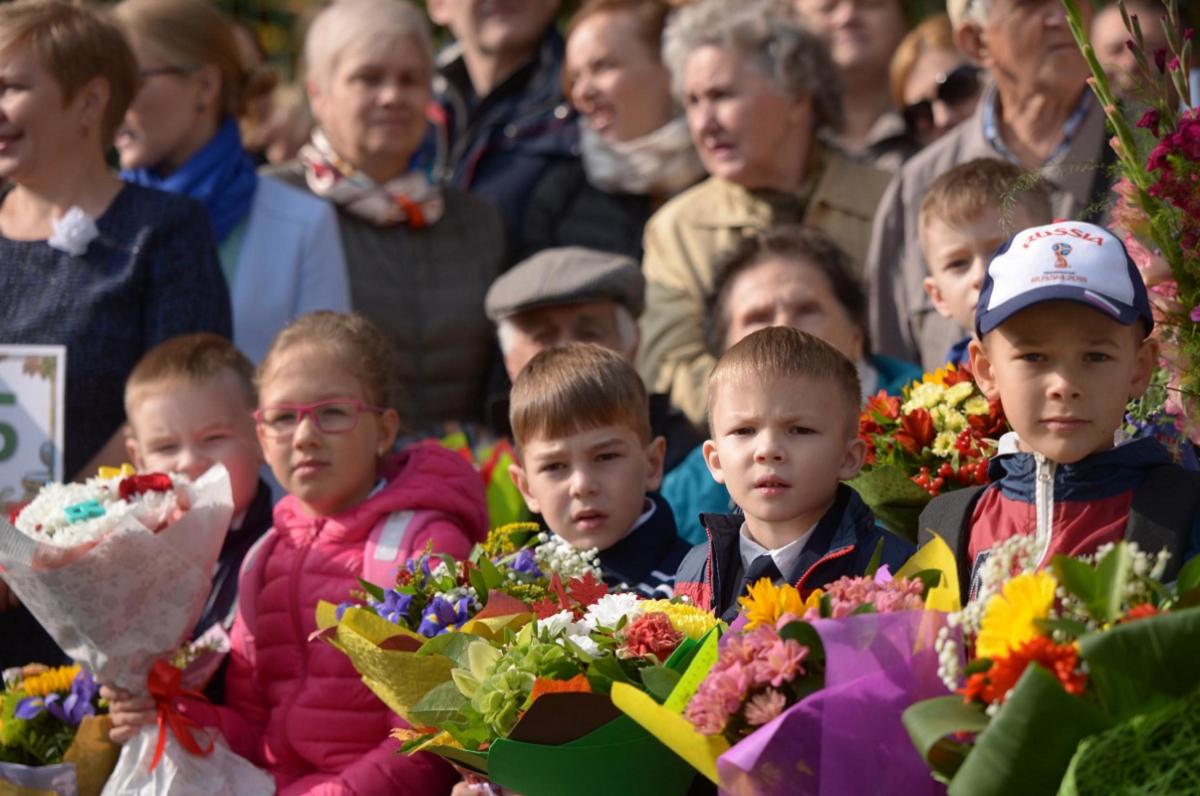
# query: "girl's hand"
128 712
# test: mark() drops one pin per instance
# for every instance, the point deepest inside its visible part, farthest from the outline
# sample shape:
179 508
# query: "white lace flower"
585 644
611 608
73 232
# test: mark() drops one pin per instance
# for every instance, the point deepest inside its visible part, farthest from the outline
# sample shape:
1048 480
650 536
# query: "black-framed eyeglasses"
953 88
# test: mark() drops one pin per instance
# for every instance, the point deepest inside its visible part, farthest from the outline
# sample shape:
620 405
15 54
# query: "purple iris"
394 607
440 614
341 609
69 709
525 562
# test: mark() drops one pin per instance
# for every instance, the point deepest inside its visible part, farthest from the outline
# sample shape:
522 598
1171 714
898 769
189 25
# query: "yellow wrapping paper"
93 754
936 554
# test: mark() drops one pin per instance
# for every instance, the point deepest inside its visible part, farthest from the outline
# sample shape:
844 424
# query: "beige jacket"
686 237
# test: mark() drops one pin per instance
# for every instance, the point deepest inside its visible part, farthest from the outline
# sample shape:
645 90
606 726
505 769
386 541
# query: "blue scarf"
221 175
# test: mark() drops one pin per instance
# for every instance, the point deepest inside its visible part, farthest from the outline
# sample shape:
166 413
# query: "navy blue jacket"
842 544
646 559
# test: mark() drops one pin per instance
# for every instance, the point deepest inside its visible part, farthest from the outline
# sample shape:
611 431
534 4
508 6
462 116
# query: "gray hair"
627 331
770 34
359 24
961 11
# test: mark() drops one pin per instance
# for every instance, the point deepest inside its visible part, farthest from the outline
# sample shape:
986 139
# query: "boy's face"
589 486
781 449
1063 373
958 255
186 427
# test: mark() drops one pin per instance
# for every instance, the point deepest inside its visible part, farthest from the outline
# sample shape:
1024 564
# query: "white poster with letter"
32 385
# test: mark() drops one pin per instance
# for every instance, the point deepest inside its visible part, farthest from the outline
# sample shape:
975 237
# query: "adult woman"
785 276
756 88
420 258
635 144
279 246
106 270
934 85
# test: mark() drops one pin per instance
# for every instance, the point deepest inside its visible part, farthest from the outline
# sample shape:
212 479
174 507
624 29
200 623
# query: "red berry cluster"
966 474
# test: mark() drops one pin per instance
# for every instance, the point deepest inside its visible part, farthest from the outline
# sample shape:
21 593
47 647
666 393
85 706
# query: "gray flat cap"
567 275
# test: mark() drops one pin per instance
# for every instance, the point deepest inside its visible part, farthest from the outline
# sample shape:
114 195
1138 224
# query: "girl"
326 425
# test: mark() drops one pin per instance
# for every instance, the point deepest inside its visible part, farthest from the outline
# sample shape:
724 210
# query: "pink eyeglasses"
332 416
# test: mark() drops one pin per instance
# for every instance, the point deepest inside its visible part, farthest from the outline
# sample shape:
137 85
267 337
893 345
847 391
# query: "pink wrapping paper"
848 738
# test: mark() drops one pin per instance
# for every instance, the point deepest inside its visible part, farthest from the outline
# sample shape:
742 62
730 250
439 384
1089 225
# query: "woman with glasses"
105 269
279 246
931 81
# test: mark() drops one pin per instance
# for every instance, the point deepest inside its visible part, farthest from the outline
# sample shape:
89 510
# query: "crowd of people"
535 268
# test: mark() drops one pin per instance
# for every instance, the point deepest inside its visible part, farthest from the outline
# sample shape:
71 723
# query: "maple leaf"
587 590
545 608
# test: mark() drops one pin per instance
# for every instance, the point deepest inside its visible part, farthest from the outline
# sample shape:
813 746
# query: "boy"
967 214
586 462
783 413
1062 341
189 403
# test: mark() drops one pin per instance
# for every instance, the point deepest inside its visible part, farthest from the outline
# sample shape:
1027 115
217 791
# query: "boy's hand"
128 712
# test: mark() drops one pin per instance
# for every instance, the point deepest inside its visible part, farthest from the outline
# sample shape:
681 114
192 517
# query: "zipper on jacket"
1043 500
825 559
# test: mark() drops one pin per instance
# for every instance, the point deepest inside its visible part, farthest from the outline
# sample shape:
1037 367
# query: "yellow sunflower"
1008 620
50 681
766 602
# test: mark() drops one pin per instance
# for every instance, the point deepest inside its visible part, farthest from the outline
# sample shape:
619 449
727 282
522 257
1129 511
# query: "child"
783 414
326 425
967 214
586 462
189 403
1062 341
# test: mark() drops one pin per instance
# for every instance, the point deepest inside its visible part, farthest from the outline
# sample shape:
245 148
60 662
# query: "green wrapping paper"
896 501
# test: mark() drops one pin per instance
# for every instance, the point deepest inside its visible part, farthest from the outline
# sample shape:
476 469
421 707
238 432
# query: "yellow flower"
977 406
943 443
689 620
924 396
1008 620
959 393
766 602
947 419
939 375
50 681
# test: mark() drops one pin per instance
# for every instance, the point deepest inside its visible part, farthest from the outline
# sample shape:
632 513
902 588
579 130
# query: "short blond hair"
192 359
781 352
75 45
960 195
935 33
575 387
359 24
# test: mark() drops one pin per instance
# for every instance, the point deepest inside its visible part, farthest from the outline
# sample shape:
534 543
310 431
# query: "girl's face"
327 472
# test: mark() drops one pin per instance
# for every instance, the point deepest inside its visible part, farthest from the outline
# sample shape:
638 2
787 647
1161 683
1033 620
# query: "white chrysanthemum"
924 396
585 643
557 624
610 609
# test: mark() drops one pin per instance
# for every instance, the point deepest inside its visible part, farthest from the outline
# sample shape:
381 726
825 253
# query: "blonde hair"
361 24
575 387
934 33
189 34
781 352
960 195
363 348
193 358
75 45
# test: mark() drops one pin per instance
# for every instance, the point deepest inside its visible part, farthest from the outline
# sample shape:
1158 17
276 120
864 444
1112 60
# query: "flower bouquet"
52 734
1157 209
1078 679
806 696
937 437
117 570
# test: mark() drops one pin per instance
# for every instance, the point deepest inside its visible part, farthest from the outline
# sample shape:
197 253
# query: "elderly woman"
636 149
105 269
931 81
756 87
278 245
785 276
420 257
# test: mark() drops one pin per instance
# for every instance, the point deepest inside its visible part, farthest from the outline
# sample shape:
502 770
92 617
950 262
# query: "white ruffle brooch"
73 232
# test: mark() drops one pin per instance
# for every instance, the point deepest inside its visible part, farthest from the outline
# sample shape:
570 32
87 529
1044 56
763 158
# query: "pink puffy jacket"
296 706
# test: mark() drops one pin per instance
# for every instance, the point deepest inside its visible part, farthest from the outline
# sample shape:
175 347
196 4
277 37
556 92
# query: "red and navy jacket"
1072 509
842 544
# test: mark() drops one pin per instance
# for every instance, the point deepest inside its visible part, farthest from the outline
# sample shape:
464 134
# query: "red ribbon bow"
166 685
137 484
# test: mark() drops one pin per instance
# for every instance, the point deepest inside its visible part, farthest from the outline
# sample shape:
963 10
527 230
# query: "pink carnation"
764 707
782 663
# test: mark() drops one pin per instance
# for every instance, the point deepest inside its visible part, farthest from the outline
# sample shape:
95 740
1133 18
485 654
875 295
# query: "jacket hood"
1100 475
422 477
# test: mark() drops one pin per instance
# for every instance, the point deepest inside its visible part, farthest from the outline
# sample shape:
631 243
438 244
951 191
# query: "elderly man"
1036 112
576 295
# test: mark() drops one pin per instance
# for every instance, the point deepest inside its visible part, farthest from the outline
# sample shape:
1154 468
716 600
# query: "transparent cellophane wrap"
120 602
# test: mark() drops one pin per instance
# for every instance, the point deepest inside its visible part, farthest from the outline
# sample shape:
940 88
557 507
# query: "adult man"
503 118
1036 112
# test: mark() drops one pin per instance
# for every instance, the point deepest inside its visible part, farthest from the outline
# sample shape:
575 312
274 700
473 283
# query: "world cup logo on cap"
1061 250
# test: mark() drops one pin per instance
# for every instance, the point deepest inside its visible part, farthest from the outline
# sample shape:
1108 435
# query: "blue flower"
70 709
441 615
341 609
394 607
526 563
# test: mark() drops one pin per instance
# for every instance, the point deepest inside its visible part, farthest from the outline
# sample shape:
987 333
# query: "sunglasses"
953 88
335 416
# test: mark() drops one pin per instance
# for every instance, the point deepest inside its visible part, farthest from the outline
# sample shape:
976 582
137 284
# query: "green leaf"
1189 577
451 566
376 592
659 681
1077 577
603 672
930 578
479 584
452 645
976 666
491 576
440 705
876 557
1112 574
930 722
1074 629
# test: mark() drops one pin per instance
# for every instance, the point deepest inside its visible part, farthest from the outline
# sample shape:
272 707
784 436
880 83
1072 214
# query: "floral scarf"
408 199
659 164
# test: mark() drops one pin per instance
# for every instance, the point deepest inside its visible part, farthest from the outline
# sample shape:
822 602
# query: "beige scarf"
661 163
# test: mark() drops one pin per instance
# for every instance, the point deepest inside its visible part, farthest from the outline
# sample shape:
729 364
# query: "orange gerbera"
544 685
993 686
